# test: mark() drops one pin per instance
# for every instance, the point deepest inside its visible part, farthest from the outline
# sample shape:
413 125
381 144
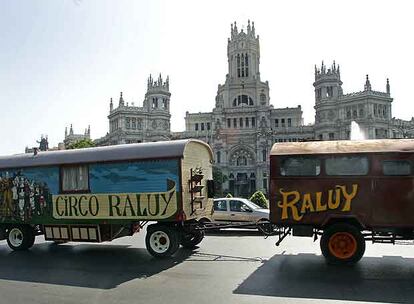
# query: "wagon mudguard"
350 219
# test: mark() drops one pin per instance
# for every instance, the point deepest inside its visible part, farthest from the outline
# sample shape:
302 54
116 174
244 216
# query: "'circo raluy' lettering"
115 205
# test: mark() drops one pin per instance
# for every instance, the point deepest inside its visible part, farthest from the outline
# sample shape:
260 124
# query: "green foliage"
219 178
259 199
83 143
229 195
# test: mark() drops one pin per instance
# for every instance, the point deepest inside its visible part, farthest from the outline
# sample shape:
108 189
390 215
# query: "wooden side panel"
196 155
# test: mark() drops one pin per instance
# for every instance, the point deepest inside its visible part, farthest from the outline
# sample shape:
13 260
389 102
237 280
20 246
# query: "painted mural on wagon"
129 190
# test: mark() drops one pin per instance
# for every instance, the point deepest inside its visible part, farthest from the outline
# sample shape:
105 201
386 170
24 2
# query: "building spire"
150 82
111 105
66 132
121 100
388 87
367 86
71 130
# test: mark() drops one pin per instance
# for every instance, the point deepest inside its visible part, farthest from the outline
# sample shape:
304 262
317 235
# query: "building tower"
328 84
158 95
157 104
243 53
240 117
243 86
328 89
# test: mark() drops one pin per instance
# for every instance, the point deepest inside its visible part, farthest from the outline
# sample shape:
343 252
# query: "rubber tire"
191 240
28 237
32 239
173 238
3 233
204 221
342 227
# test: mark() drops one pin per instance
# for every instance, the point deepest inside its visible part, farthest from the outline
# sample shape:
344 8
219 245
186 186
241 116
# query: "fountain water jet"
356 132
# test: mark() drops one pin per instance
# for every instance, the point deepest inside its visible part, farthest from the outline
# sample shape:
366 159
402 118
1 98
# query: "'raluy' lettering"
296 205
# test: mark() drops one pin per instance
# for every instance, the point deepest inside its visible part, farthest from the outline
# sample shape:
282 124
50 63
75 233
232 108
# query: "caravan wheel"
191 240
342 243
161 241
20 237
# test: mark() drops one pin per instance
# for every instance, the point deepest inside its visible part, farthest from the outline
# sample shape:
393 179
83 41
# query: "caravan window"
347 165
396 167
75 178
300 166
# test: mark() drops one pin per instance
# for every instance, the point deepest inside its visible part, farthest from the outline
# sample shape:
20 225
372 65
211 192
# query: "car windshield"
251 204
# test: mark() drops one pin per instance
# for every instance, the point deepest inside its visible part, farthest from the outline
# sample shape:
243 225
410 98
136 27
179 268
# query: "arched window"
243 100
242 65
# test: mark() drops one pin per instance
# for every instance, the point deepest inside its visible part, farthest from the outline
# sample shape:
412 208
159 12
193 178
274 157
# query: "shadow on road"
85 265
386 279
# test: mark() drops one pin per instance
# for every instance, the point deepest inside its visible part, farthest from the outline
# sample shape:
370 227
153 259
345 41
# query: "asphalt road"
228 267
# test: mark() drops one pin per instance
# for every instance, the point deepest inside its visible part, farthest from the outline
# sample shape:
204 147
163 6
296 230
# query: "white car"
238 210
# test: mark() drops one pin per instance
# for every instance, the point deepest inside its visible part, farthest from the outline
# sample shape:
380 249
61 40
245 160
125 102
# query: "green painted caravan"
99 194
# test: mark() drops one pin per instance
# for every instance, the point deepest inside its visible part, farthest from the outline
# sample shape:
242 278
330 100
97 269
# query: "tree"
80 144
219 178
259 199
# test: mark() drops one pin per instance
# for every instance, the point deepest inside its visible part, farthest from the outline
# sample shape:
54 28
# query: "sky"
62 60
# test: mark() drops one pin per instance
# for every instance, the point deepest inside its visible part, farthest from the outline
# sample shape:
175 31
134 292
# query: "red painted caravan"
346 191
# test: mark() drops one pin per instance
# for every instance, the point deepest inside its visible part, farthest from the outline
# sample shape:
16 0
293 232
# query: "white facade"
131 124
334 111
71 137
243 125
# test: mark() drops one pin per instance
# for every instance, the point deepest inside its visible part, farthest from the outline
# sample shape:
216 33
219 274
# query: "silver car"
237 210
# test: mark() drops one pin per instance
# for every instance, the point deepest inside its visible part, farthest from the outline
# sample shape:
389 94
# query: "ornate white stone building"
334 111
243 125
71 137
132 124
